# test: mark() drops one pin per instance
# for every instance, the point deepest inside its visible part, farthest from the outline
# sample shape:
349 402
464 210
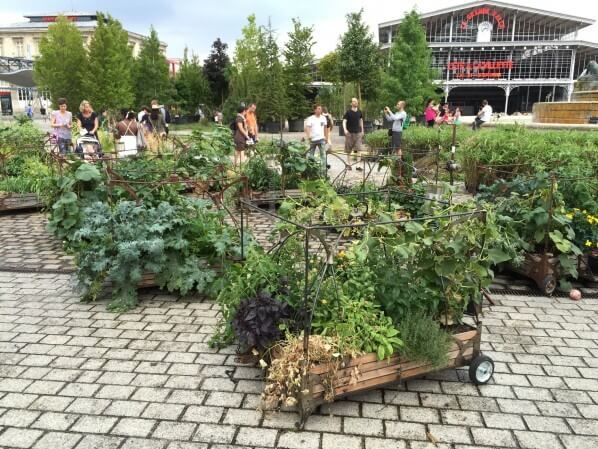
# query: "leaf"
497 256
414 227
380 352
88 172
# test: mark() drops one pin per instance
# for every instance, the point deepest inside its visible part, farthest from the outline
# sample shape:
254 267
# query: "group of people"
245 131
150 123
318 129
437 115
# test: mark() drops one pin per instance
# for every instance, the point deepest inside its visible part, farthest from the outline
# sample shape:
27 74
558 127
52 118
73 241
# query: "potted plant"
585 226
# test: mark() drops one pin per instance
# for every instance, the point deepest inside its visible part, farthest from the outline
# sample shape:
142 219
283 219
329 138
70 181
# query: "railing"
8 65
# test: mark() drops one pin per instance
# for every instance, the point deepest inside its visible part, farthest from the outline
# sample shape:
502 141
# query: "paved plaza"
73 375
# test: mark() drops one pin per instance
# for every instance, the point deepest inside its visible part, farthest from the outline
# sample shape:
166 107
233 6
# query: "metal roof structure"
17 71
543 16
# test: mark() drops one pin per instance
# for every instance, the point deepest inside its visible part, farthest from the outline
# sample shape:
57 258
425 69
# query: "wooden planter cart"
365 372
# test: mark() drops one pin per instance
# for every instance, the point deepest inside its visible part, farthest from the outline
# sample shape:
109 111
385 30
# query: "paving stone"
324 423
336 441
384 443
380 411
99 442
203 414
18 418
214 433
242 417
419 414
449 434
55 440
174 431
363 426
138 443
537 440
224 399
134 427
579 441
19 438
493 437
503 421
583 426
546 424
88 406
125 408
405 430
256 437
163 411
94 424
461 418
299 440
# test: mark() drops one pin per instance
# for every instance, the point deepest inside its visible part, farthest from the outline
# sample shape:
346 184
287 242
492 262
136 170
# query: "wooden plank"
364 360
405 371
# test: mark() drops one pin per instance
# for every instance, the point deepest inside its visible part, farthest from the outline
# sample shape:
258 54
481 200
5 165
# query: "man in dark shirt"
353 127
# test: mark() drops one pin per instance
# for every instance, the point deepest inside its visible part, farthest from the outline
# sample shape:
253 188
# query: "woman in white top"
397 120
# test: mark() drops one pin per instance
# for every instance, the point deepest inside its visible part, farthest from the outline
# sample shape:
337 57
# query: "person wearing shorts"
353 128
61 123
397 120
241 136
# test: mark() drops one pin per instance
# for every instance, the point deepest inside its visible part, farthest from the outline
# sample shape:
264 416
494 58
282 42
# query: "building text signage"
500 22
480 69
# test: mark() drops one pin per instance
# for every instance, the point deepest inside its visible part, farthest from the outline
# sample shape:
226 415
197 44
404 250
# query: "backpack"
407 121
233 125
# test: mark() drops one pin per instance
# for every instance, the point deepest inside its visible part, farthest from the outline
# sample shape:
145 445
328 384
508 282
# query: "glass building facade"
508 54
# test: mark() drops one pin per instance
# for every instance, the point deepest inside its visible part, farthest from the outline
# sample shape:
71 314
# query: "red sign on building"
500 22
480 69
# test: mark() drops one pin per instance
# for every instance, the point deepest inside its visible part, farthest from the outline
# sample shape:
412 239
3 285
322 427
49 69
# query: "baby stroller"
88 147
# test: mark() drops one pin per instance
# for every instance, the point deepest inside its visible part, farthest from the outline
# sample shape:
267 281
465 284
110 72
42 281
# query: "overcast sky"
197 24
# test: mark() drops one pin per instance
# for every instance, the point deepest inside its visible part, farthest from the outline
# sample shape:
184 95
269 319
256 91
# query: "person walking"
61 122
29 111
316 130
164 112
127 132
251 122
430 113
87 119
397 120
329 124
485 115
241 136
353 128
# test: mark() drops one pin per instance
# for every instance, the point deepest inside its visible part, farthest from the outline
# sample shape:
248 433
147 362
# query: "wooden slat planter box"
366 372
543 269
19 201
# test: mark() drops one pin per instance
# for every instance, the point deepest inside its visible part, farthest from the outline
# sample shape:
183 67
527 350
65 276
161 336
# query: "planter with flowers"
585 226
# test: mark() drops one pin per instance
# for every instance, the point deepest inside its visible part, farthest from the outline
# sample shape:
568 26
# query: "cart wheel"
481 370
548 285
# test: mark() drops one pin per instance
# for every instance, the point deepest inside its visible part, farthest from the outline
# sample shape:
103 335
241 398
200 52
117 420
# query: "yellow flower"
569 216
588 243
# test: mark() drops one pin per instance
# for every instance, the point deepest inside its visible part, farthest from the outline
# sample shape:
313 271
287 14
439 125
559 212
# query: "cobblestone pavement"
74 376
27 245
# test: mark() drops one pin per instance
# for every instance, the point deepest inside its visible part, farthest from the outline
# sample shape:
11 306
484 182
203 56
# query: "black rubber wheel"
481 370
548 285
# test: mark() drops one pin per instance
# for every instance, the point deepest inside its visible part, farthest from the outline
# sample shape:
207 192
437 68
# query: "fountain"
583 107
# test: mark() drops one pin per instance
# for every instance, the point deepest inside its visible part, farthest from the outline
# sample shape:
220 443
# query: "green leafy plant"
424 340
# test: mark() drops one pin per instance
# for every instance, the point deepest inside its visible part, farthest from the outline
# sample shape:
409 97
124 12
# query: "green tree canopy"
151 76
244 72
271 99
409 76
108 80
62 62
192 86
215 68
328 67
359 57
298 68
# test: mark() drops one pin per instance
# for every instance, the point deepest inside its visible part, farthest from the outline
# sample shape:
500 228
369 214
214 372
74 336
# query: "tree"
244 73
298 69
328 67
271 97
359 56
108 82
62 62
192 86
151 77
409 76
215 68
